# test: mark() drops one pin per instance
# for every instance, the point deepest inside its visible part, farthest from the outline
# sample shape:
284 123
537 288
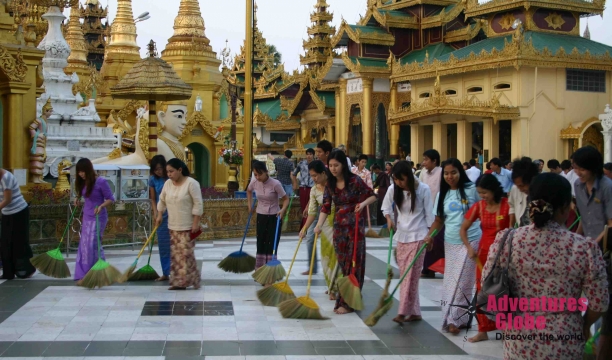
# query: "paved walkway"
44 318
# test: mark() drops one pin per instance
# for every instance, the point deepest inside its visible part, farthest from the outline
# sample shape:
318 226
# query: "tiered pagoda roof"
95 29
318 47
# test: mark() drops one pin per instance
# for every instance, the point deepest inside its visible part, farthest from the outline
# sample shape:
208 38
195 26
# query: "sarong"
328 254
163 243
458 285
87 254
15 245
409 290
266 229
184 267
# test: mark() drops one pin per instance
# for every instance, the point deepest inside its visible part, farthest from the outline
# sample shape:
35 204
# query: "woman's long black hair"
158 160
402 170
464 182
490 182
340 157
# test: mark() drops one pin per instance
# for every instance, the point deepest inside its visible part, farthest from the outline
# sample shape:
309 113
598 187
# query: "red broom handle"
356 241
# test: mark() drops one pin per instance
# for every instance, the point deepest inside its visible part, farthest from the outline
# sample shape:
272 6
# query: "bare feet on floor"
413 318
342 311
453 329
162 278
399 319
332 296
481 336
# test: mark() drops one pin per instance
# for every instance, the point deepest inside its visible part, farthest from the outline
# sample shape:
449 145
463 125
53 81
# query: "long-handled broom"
128 273
102 273
146 272
370 233
273 270
239 262
385 305
348 286
52 262
303 307
286 219
279 292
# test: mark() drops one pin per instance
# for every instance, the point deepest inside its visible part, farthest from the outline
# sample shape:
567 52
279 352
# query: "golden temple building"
95 30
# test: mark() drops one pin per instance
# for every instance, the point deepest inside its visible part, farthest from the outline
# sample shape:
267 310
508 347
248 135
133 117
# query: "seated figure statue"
172 119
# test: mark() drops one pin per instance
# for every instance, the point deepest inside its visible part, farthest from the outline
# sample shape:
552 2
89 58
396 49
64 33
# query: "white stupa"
72 132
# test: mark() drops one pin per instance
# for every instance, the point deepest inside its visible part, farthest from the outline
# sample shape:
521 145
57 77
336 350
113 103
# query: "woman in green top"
319 175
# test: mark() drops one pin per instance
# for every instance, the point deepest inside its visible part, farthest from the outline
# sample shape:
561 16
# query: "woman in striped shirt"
15 238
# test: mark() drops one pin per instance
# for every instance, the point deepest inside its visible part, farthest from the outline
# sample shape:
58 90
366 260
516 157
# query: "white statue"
172 118
198 104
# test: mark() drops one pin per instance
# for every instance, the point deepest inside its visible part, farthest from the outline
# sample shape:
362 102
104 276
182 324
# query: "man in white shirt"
473 172
523 171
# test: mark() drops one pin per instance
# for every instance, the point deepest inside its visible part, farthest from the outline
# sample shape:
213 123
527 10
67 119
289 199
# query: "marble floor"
44 318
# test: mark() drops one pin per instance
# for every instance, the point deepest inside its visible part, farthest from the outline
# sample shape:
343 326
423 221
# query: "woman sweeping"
493 213
156 184
457 194
268 191
350 195
98 196
182 197
15 240
407 207
318 173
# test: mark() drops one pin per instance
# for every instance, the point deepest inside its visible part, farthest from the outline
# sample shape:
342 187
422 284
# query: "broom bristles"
379 312
100 275
128 273
269 274
144 273
237 262
371 234
300 308
275 294
384 232
52 264
350 292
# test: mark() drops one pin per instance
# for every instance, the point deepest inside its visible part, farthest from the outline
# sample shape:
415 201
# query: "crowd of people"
548 229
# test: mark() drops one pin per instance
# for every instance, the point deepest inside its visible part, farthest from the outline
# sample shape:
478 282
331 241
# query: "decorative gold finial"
76 40
123 31
189 32
47 106
152 48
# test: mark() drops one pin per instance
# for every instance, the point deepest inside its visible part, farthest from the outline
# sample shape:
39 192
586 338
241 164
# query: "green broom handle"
356 240
312 260
390 249
288 209
247 227
575 222
67 226
292 261
98 233
408 270
150 251
276 236
147 243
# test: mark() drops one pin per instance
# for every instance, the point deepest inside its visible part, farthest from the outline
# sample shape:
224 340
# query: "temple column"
367 128
417 142
464 140
439 139
337 118
342 130
490 138
520 138
15 152
395 128
303 128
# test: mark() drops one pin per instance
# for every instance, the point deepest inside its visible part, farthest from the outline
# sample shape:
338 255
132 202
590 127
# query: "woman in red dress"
351 195
493 213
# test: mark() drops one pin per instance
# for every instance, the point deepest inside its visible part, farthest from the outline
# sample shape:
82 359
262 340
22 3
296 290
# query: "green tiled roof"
369 62
540 40
434 51
272 108
368 29
395 14
330 98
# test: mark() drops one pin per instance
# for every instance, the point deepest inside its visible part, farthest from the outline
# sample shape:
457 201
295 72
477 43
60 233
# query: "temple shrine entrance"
198 158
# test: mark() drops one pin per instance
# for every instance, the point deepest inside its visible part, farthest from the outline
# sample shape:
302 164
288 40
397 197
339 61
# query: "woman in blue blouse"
156 183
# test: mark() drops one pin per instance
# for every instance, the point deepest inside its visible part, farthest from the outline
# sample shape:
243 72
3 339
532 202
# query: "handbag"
497 282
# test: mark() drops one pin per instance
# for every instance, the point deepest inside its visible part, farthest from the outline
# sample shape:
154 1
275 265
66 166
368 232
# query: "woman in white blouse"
182 197
409 213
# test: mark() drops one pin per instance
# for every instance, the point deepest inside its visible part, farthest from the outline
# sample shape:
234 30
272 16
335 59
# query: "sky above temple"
283 23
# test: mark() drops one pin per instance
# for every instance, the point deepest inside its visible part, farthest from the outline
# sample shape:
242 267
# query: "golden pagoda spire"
76 41
189 36
123 31
318 46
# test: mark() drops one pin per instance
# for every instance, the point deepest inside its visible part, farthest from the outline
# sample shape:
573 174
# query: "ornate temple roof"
123 31
189 36
487 7
76 41
362 34
318 46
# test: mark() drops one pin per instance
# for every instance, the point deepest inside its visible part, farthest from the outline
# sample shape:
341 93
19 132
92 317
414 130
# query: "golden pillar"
417 142
15 152
338 116
490 137
464 140
440 139
342 131
248 91
304 131
367 127
395 128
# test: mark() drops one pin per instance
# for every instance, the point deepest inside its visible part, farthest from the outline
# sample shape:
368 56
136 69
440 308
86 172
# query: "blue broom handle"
247 227
278 219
